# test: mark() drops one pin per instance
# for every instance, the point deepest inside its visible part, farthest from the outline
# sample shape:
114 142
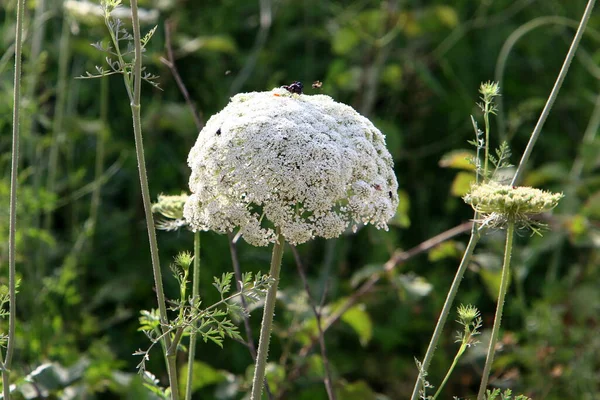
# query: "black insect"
219 132
317 85
295 87
390 194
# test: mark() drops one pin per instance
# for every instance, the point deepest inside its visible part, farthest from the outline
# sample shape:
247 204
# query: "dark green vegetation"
414 69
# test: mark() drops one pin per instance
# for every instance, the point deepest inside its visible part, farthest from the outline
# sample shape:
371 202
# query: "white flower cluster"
303 164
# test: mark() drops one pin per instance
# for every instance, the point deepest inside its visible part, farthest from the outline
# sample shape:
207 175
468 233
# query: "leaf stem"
267 321
499 307
12 236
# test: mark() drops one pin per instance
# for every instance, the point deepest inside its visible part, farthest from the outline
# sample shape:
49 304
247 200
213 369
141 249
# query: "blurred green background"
412 67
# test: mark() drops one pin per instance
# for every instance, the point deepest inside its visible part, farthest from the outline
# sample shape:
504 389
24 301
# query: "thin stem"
554 93
327 378
439 327
139 149
267 321
486 119
170 63
459 354
398 258
12 236
499 307
195 294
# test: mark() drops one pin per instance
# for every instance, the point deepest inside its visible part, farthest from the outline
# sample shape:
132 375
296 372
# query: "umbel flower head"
499 204
306 165
171 208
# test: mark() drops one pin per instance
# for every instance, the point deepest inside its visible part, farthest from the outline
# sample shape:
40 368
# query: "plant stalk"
499 307
195 293
12 236
267 321
459 354
139 149
554 93
439 327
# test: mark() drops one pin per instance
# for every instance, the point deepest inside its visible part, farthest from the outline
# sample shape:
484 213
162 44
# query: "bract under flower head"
305 164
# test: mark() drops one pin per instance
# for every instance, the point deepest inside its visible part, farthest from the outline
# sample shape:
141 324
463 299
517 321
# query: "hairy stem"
439 327
195 294
139 149
12 236
554 93
267 321
499 307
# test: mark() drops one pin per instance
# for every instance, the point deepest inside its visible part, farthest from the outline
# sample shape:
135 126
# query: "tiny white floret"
305 164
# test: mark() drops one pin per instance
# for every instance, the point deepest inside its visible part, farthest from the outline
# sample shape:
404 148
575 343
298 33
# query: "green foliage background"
414 68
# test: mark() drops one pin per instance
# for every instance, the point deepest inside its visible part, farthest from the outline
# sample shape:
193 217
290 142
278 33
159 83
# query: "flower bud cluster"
510 203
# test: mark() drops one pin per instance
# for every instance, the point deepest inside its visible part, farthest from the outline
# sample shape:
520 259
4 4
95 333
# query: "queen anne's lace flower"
499 204
304 164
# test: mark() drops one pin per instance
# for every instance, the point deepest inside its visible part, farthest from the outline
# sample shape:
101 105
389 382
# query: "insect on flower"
295 87
317 85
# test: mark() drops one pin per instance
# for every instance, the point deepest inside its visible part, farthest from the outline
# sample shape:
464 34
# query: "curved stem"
267 321
554 93
459 354
12 236
195 294
499 307
139 149
439 327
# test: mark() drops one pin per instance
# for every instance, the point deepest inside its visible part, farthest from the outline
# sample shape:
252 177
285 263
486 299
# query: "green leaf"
203 375
344 41
449 249
361 323
462 183
402 219
413 286
458 159
358 390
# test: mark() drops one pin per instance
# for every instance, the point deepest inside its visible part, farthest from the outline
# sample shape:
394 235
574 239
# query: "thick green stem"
499 307
267 321
437 332
12 236
195 293
139 149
